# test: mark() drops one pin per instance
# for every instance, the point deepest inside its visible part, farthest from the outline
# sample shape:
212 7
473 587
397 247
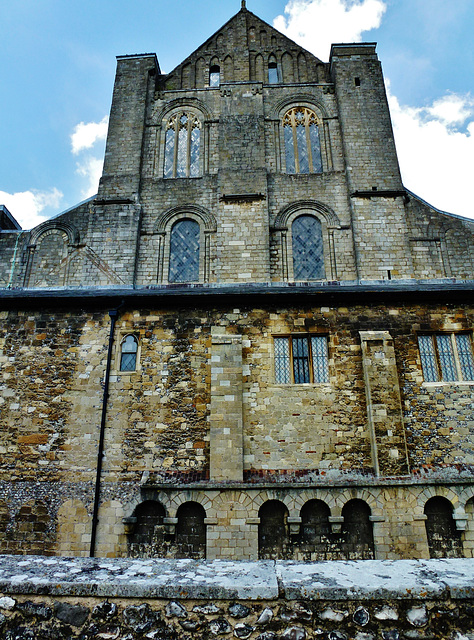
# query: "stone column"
226 408
384 406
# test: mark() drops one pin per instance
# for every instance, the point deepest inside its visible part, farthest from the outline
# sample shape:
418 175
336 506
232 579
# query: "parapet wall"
44 598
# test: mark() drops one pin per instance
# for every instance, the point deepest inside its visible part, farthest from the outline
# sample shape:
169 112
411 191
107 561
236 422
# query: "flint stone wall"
44 598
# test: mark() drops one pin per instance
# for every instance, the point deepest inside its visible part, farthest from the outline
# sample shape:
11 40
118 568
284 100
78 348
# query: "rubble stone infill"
44 598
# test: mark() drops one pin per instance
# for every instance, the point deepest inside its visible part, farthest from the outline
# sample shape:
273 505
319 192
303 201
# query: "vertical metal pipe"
100 454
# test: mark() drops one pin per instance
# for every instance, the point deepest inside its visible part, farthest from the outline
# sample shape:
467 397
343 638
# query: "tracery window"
301 359
128 354
302 143
446 357
182 146
308 256
184 251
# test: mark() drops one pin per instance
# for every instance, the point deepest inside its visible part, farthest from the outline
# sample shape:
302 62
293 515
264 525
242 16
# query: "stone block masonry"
126 600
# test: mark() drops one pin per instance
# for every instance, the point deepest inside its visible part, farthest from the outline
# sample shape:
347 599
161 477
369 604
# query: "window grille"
182 146
128 355
302 143
446 357
301 359
184 251
308 257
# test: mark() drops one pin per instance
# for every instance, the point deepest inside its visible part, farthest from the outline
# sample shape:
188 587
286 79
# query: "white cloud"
91 169
85 135
316 24
435 147
26 206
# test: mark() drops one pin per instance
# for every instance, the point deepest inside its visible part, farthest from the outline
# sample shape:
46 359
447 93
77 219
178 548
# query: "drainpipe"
100 454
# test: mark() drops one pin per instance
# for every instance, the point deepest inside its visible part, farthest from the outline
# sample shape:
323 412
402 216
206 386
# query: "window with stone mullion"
182 146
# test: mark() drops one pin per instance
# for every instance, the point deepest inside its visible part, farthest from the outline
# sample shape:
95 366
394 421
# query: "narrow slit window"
215 75
273 72
128 355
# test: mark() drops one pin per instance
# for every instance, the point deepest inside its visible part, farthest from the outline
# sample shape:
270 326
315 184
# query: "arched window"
182 145
128 354
444 540
302 144
308 257
214 75
273 535
191 531
272 71
184 251
147 539
357 534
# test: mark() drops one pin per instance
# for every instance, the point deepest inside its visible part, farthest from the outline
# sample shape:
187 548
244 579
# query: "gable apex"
242 49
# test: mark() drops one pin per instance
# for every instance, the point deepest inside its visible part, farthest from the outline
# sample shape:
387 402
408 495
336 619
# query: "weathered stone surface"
105 611
140 618
293 633
361 616
219 627
243 630
7 603
175 609
237 610
265 617
31 609
207 609
417 616
74 615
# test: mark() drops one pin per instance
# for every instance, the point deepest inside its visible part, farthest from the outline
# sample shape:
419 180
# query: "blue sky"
58 63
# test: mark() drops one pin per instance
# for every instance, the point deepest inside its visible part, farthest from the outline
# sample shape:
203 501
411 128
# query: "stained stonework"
305 395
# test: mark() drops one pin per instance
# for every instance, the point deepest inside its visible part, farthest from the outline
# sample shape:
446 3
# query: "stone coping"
222 579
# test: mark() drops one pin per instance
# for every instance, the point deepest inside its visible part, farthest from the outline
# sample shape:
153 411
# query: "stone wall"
127 600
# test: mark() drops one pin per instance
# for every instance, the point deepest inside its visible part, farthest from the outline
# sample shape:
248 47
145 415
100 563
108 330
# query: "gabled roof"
244 35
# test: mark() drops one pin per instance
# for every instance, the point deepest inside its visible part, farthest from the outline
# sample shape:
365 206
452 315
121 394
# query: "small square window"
301 359
446 357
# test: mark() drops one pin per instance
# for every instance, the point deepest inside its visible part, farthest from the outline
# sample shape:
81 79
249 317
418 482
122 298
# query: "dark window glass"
215 76
308 258
184 252
128 357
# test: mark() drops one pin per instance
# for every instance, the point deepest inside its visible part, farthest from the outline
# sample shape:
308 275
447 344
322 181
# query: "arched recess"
444 540
357 538
305 102
31 532
314 541
273 533
48 251
283 228
163 227
147 536
191 531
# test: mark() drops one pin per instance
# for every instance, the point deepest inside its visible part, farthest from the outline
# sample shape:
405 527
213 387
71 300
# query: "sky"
57 67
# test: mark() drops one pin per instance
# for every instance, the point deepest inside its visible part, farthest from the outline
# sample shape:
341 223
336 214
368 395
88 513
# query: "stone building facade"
253 342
